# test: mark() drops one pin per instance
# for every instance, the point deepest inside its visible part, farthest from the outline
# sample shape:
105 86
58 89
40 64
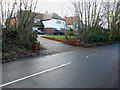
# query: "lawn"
56 36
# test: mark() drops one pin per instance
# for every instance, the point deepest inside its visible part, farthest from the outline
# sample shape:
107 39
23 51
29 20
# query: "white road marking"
48 70
90 55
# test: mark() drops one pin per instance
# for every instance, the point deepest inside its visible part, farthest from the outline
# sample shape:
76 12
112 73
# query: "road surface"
94 67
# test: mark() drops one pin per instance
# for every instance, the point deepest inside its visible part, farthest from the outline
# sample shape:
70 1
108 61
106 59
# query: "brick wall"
49 30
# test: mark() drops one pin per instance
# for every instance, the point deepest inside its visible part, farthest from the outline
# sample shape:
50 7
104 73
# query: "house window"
59 22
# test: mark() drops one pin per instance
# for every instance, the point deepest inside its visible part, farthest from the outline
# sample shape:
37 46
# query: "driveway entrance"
56 47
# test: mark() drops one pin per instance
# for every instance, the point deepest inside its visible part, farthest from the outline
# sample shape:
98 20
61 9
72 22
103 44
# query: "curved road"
95 67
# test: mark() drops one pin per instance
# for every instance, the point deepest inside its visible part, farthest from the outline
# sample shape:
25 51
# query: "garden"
55 36
97 23
18 38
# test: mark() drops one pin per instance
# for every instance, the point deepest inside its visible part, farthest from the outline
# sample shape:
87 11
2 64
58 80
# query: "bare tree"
87 16
26 21
111 14
24 12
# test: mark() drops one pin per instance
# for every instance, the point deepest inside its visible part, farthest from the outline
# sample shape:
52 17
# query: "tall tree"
87 16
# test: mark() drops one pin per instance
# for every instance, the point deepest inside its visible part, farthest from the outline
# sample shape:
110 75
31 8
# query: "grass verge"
57 36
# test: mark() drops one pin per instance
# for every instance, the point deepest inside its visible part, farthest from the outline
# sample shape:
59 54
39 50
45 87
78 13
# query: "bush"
12 33
71 32
96 38
33 37
103 38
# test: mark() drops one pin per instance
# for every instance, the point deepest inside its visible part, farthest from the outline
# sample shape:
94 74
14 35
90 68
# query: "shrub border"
77 43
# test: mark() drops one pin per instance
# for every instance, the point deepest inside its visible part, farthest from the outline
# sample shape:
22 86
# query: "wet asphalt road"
89 68
56 47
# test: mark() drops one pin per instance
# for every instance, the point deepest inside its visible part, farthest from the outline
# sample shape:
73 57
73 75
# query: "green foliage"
26 35
71 32
23 49
91 21
21 35
11 33
103 38
57 36
94 38
33 37
71 29
98 37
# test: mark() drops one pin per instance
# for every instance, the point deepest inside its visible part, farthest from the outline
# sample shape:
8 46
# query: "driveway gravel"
53 47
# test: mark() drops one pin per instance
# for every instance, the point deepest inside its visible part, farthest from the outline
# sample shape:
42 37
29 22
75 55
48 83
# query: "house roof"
54 15
47 16
40 16
69 20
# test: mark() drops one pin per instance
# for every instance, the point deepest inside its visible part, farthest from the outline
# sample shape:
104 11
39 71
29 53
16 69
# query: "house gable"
70 20
53 20
54 23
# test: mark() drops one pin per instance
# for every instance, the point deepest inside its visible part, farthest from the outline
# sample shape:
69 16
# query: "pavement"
95 67
56 47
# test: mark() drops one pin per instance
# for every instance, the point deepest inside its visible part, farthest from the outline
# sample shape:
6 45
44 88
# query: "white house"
51 22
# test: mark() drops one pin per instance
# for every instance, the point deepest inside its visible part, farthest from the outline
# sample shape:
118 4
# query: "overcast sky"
61 7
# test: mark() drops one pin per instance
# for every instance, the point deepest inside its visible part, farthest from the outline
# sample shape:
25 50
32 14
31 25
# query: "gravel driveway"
56 47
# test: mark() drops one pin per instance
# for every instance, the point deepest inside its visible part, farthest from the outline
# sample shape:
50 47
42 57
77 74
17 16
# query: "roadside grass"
57 36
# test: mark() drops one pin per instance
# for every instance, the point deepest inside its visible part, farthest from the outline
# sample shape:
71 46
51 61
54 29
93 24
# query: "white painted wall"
54 23
69 26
